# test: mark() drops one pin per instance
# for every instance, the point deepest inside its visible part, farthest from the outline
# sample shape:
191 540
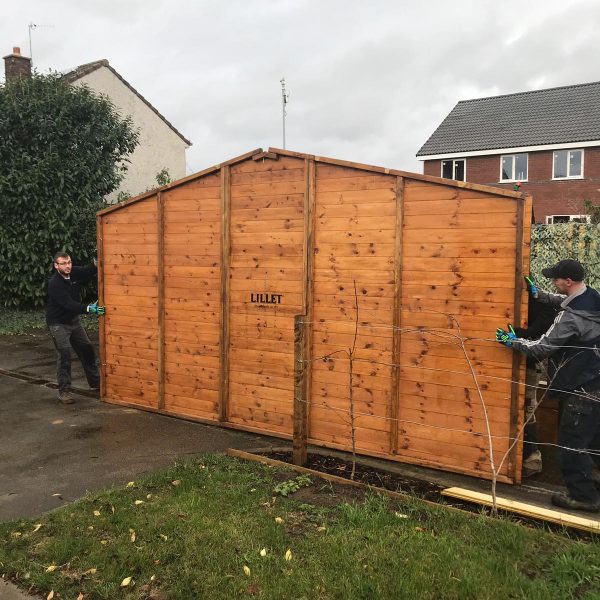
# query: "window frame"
513 180
572 219
454 161
568 151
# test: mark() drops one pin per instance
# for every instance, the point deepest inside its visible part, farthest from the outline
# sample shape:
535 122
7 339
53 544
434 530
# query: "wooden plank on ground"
525 509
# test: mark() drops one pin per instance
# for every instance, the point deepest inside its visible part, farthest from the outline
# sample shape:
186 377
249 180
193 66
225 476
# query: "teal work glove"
94 309
506 337
532 288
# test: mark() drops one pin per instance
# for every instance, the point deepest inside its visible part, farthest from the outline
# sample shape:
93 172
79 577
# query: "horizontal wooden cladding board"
200 362
259 332
131 280
345 287
192 227
375 383
200 218
125 216
354 235
265 380
459 206
356 198
141 322
116 291
255 365
192 407
456 292
335 328
449 378
132 372
203 200
280 214
382 304
136 239
187 376
251 202
126 354
129 249
239 225
360 224
190 349
327 391
281 399
130 259
448 278
114 297
458 308
460 221
386 210
460 250
360 182
338 432
348 314
419 190
203 333
141 206
280 176
268 188
448 391
363 404
325 342
469 324
116 394
478 352
272 284
359 263
134 388
363 277
502 265
206 180
338 366
177 247
367 426
482 234
467 423
457 364
207 317
117 229
258 419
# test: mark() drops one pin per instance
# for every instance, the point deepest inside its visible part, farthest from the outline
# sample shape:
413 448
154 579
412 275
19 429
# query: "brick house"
160 145
549 140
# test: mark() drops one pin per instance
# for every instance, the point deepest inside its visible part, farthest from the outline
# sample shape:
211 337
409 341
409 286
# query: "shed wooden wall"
182 334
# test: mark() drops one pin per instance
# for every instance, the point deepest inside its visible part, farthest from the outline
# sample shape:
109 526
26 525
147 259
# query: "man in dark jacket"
572 344
62 318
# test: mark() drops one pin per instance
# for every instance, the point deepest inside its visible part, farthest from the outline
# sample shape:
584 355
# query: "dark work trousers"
73 335
580 429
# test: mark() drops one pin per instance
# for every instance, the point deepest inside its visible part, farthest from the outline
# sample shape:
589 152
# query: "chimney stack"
16 65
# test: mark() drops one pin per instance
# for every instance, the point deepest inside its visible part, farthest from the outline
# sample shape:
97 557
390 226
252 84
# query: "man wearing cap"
572 344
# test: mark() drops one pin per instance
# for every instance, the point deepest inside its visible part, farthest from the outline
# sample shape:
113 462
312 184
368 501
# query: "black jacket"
572 341
64 295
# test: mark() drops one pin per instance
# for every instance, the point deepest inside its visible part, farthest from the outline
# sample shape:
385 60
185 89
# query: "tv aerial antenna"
285 96
31 27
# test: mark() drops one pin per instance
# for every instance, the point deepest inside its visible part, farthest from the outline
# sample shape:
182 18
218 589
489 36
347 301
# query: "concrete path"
51 454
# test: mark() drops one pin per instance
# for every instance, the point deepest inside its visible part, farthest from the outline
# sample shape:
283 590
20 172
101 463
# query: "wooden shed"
203 281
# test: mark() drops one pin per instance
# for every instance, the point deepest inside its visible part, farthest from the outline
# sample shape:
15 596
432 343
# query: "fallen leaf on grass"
16 534
164 537
278 520
401 515
148 496
132 536
322 528
91 571
126 581
138 502
176 482
246 571
80 597
153 577
50 568
58 496
104 542
419 529
96 513
288 555
263 552
37 527
182 516
50 595
130 484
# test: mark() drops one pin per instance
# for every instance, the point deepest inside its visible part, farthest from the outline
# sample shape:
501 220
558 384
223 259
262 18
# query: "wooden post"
300 391
225 278
516 410
397 318
160 209
308 275
101 327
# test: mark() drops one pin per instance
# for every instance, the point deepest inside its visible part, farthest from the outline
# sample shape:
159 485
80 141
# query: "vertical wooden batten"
160 215
300 433
397 318
225 294
101 326
514 464
308 275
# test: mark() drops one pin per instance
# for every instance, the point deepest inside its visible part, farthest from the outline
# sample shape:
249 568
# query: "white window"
567 164
513 167
552 219
454 169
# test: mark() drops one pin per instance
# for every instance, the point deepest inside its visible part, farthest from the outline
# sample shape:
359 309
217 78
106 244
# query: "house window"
553 219
454 169
513 167
568 164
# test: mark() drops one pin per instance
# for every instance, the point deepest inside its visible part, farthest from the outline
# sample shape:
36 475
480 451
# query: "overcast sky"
369 81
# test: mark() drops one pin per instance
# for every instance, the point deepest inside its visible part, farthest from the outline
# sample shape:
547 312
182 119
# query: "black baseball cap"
565 269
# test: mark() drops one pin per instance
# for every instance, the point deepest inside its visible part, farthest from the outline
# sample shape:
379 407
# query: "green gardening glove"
506 337
94 309
533 290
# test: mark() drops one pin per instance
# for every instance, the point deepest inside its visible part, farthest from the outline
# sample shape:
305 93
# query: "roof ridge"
559 87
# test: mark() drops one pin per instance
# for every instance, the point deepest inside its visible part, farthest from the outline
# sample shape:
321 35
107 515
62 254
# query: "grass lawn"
212 528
